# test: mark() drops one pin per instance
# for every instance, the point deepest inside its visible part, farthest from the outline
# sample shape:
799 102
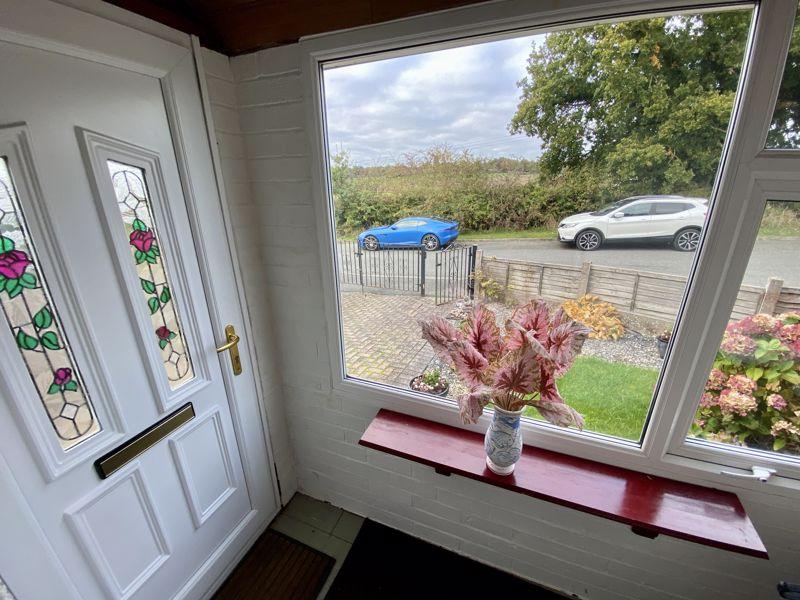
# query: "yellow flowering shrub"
599 316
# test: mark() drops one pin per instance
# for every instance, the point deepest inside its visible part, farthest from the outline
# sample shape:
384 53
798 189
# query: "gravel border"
631 349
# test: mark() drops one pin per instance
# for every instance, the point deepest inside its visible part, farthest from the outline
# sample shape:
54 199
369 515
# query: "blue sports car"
430 234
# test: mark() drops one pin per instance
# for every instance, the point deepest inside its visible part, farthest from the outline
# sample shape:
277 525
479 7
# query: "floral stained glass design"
34 323
133 199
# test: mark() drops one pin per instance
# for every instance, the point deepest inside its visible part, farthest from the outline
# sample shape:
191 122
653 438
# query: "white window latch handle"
761 473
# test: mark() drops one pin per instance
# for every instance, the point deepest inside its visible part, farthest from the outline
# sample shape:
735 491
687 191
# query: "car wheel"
588 240
687 240
371 243
430 241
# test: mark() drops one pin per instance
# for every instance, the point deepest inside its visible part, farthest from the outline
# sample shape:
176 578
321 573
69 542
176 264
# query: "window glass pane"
33 322
784 132
518 153
637 210
130 188
752 397
664 208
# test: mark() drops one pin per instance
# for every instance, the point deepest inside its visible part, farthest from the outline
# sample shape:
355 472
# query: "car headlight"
566 225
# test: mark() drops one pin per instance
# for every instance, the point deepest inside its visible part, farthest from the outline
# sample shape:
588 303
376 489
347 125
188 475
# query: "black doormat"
385 564
277 568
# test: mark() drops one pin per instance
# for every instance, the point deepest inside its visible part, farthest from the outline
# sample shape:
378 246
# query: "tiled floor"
320 525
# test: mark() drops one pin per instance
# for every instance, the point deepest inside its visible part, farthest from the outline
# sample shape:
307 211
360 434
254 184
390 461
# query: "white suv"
673 218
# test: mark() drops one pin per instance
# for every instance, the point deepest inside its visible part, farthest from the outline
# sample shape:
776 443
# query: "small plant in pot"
430 382
662 339
510 369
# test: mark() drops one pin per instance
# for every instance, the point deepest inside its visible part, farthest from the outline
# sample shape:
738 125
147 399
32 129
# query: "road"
777 257
773 257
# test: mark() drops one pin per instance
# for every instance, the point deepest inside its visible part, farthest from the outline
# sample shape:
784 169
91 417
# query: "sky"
463 97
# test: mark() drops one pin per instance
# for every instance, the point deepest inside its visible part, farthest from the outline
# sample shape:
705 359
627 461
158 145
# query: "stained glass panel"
35 326
130 188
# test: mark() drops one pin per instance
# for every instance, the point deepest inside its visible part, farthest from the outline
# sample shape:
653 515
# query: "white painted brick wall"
247 222
558 547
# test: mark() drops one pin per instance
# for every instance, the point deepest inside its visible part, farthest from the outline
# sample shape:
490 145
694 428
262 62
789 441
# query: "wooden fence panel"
560 282
788 300
655 296
747 302
613 286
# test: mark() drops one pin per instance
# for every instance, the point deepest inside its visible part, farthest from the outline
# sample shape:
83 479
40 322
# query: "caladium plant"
514 368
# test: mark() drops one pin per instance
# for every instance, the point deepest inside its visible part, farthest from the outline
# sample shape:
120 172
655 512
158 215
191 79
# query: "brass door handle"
232 344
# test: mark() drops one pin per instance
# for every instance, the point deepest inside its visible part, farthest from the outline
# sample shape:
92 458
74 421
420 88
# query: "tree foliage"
785 129
645 101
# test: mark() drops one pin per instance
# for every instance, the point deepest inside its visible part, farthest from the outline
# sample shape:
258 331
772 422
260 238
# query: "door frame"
100 33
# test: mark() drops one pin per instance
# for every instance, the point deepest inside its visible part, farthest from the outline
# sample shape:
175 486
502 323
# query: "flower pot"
503 441
662 347
413 385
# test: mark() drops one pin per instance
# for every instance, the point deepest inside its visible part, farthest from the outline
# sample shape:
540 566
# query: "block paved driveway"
382 337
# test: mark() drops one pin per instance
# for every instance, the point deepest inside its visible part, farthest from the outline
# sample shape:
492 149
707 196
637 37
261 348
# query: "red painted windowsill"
650 505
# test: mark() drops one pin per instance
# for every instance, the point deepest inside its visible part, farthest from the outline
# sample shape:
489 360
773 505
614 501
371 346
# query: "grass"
509 234
613 398
780 220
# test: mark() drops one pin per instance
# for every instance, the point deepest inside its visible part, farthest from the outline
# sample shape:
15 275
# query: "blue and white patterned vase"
503 441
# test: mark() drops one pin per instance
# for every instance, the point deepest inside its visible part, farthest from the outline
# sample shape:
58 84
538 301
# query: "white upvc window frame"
725 247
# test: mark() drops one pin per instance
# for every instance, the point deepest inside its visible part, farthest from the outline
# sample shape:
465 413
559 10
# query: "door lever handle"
232 344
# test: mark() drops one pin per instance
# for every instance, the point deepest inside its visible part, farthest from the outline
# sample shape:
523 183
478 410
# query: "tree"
785 128
646 102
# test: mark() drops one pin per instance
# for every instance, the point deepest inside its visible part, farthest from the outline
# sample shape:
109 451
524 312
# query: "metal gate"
455 268
414 270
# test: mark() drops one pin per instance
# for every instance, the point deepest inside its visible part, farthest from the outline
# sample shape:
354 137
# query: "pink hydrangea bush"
513 368
752 396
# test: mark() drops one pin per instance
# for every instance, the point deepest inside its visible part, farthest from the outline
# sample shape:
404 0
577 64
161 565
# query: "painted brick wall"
248 236
573 552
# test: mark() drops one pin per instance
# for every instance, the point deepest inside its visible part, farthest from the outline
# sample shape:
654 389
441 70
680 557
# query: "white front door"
105 331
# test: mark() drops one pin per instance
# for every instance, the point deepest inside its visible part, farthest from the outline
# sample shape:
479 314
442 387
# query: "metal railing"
407 270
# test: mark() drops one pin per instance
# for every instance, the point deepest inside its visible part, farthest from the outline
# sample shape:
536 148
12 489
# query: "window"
751 399
784 131
637 210
33 321
670 208
408 224
525 212
130 188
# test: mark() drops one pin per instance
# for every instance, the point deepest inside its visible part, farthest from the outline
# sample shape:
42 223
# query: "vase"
503 441
662 347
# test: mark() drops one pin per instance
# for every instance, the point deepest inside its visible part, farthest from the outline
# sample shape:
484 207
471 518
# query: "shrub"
752 396
490 288
599 316
479 193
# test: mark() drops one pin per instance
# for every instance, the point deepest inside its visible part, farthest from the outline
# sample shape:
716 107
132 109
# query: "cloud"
463 97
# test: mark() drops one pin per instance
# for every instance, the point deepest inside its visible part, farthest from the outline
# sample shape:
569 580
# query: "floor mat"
386 564
277 568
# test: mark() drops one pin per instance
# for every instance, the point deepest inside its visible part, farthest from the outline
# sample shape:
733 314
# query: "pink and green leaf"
468 362
471 404
481 330
518 373
440 334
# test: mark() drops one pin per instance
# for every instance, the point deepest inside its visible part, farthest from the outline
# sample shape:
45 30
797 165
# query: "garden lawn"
613 397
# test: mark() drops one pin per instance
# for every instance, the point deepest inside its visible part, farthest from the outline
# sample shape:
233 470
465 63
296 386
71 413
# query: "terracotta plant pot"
503 441
442 392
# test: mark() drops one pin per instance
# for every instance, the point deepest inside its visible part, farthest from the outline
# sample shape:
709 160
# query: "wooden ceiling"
240 26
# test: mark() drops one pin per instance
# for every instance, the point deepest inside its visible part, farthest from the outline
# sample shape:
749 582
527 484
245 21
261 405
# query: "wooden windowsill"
650 505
